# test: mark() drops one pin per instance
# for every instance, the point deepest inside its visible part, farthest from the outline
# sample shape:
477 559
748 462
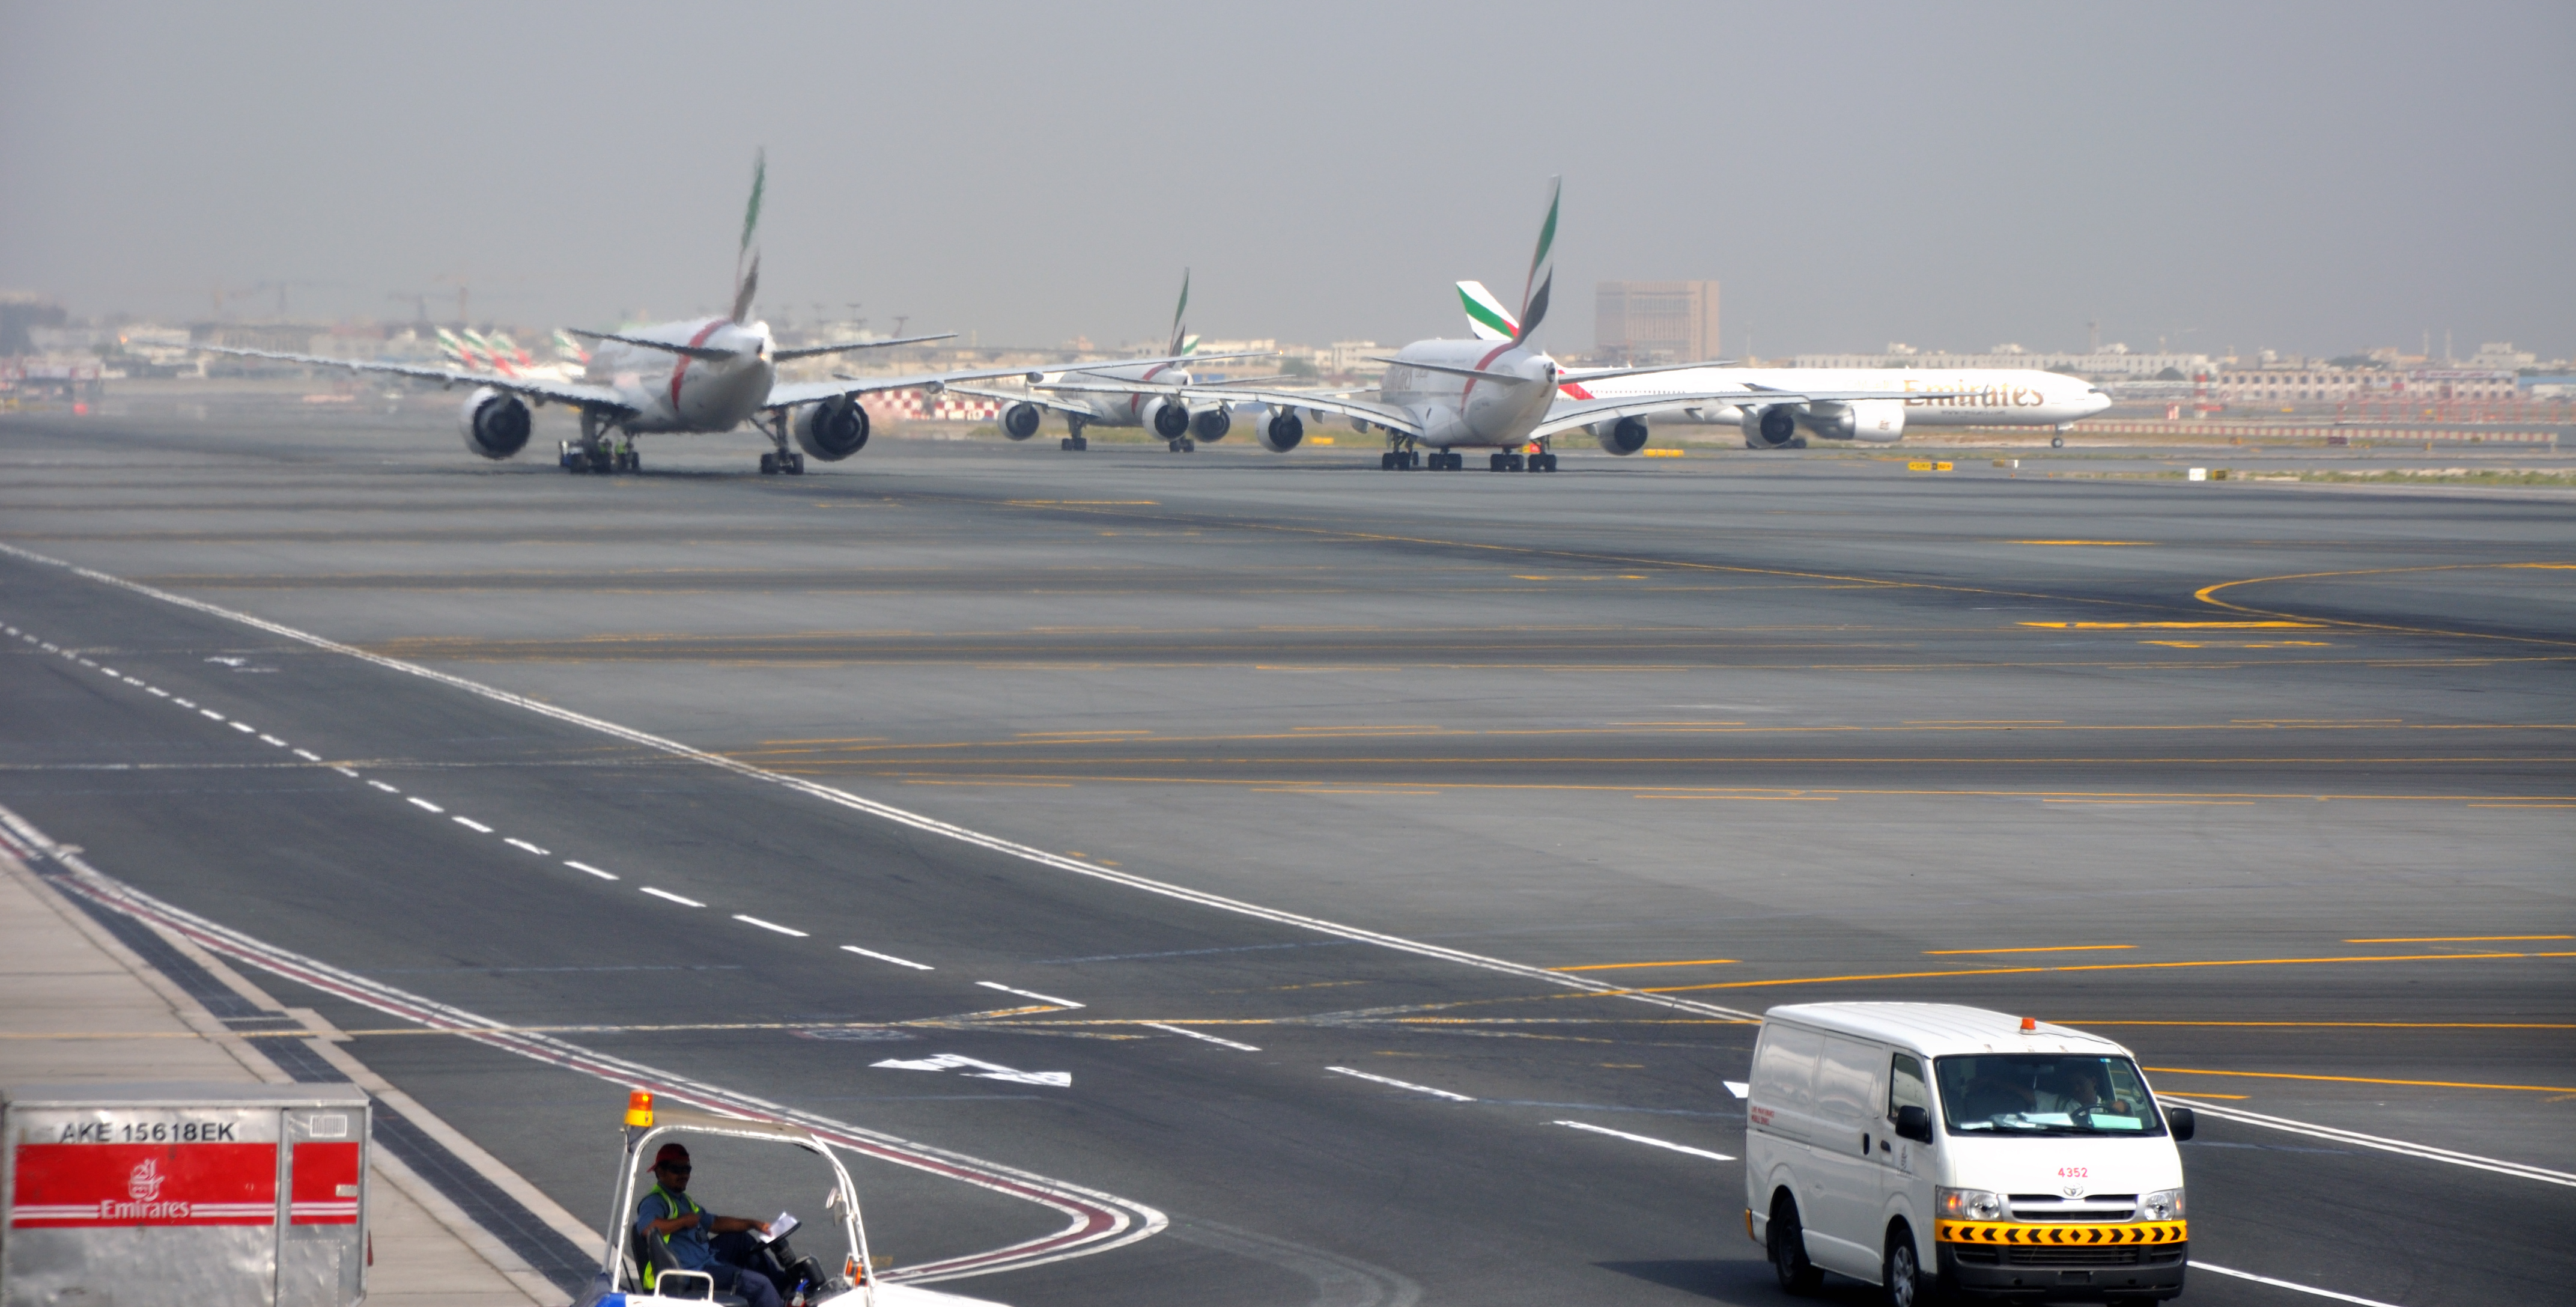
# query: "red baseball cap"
670 1153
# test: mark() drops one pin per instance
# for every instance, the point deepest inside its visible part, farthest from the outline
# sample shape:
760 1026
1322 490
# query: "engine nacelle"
495 423
1020 421
832 430
1625 436
1772 427
1282 433
1169 419
1211 424
1878 421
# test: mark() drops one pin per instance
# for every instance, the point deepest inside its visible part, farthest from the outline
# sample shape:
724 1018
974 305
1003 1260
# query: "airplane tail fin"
1181 341
746 280
1534 291
569 348
1486 315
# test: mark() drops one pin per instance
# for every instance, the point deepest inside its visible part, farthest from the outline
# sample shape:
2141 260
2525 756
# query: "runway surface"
1322 789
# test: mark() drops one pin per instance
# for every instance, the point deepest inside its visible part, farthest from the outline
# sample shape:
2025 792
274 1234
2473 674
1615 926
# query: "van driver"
700 1240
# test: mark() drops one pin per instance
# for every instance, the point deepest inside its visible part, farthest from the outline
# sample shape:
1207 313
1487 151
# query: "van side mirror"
2182 1121
1914 1123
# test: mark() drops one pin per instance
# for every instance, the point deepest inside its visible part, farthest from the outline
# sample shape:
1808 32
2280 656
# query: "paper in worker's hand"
779 1228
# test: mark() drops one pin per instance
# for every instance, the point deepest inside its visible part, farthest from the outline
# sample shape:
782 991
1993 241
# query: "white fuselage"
1996 397
673 392
1465 410
1122 410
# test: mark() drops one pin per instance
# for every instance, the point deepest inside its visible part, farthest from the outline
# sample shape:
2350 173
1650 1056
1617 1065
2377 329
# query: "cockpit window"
2045 1093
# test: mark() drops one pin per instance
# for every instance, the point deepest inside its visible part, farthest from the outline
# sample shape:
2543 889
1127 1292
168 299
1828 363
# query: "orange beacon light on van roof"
2028 1024
639 1108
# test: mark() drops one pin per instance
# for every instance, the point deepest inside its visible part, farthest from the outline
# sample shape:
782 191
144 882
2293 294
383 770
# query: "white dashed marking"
522 844
424 803
1737 1088
469 823
184 703
584 866
131 681
157 691
210 713
887 957
113 672
308 755
666 894
1652 1143
271 739
1029 993
346 772
1185 1030
1401 1084
246 730
769 925
386 788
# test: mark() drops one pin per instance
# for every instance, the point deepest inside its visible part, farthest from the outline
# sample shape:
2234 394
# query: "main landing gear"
1400 460
1185 445
1074 443
601 449
1510 462
784 461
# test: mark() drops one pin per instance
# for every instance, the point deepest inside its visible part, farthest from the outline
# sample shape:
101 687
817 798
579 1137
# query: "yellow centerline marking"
2052 948
2170 626
1623 966
2356 1025
2178 1093
2359 1080
2107 543
2454 939
2078 966
2208 594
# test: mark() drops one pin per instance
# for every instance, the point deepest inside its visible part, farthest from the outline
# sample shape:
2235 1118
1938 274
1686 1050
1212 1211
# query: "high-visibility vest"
676 1203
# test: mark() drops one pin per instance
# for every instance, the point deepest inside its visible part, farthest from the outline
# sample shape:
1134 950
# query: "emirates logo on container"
144 1184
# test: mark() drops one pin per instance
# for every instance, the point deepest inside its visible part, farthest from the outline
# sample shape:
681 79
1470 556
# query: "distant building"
1655 321
2339 385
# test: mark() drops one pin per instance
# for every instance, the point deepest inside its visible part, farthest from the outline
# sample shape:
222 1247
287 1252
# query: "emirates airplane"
700 376
1494 394
1180 422
1971 397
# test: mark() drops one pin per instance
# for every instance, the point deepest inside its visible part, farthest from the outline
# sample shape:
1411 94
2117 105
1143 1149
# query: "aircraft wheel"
769 465
2057 442
793 465
1551 461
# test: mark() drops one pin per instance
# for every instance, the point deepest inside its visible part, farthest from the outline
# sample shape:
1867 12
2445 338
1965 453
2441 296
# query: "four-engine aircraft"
1482 394
697 376
1974 397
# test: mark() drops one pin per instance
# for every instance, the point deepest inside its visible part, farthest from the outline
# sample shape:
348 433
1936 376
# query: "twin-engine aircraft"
1971 397
1501 395
700 376
1182 423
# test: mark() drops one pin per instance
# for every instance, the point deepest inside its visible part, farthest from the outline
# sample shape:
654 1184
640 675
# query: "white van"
1913 1144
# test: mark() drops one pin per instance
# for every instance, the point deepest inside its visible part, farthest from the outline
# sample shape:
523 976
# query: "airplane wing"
1385 415
788 394
579 394
1021 397
1567 414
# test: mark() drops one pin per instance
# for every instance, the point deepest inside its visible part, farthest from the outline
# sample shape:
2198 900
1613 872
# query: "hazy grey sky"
2305 177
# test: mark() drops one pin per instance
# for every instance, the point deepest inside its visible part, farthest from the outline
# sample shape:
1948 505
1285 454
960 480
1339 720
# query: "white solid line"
1029 993
469 823
769 925
271 739
421 802
386 788
348 773
1419 1089
2199 1265
666 894
154 689
2425 1151
887 957
519 843
308 755
1185 1030
584 866
244 728
886 811
1641 1139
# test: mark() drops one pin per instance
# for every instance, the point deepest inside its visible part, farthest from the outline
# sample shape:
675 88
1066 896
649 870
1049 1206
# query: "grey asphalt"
1798 728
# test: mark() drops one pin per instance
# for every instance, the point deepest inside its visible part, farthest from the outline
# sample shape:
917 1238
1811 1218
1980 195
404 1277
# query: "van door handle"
1864 1143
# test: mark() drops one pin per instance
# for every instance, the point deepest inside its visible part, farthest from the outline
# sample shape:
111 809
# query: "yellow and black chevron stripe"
2017 1234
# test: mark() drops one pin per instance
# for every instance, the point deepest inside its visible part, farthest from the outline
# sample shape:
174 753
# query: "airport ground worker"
700 1240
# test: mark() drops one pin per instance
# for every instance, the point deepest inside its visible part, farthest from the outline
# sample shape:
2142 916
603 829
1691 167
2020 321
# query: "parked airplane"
1973 397
697 376
1482 394
1181 422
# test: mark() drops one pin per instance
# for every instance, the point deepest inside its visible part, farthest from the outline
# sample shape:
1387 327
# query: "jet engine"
1169 419
832 430
1020 421
1772 427
1211 425
495 423
1625 436
1282 433
1878 421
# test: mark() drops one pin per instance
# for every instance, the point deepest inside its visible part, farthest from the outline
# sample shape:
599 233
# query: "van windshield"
2045 1093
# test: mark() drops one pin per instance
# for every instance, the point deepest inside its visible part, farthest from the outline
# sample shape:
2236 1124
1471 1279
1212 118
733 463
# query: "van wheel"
1899 1272
1798 1276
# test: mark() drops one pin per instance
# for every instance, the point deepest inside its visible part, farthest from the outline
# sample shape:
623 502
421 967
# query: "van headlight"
2162 1205
1978 1204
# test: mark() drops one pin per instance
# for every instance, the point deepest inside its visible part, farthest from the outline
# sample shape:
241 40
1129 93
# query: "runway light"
2028 1024
639 1108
